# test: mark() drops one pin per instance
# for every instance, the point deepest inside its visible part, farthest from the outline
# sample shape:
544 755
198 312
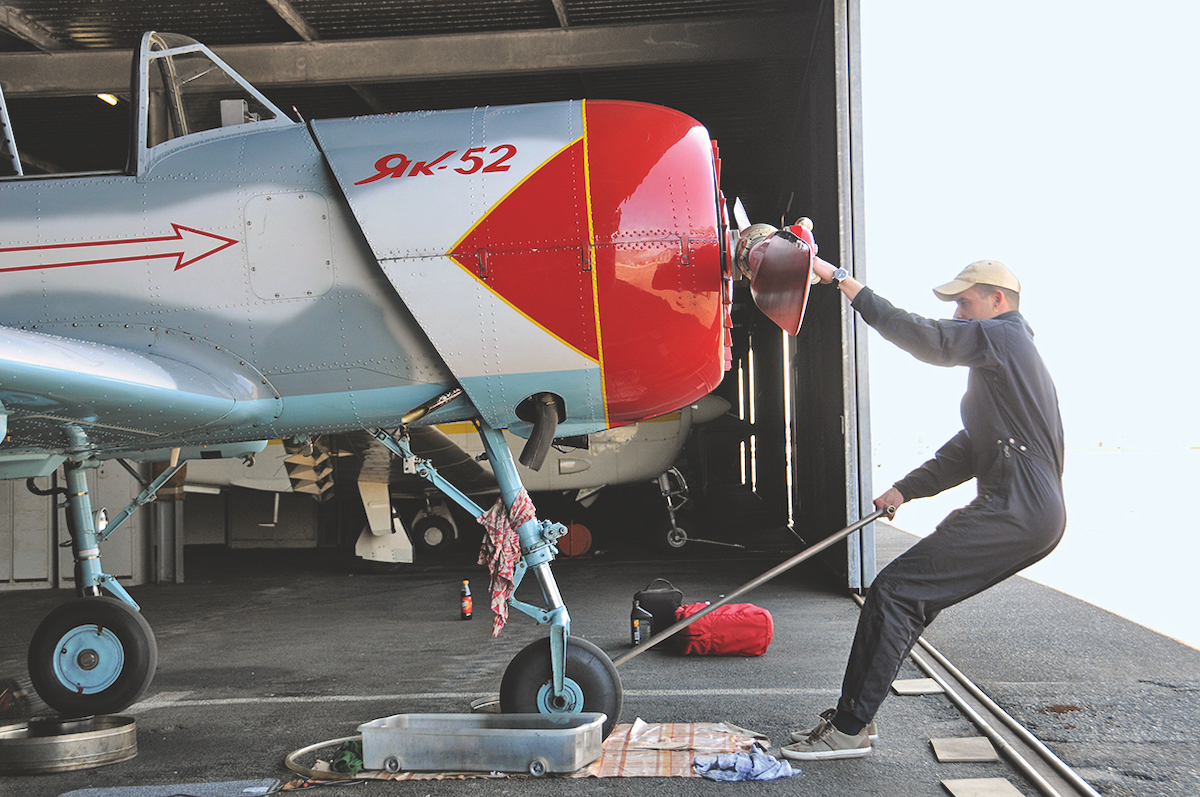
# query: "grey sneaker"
826 741
827 714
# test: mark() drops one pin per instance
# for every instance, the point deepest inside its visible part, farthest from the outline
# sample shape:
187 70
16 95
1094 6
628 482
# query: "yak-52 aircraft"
550 269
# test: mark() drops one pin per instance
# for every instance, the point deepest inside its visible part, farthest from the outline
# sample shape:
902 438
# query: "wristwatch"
839 274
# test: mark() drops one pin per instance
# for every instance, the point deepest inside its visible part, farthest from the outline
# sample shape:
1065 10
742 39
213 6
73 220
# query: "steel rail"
1001 744
1047 755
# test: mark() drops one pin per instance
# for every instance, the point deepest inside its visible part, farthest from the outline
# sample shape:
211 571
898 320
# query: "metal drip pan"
112 739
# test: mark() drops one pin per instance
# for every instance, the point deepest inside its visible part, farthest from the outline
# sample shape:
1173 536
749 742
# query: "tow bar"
783 567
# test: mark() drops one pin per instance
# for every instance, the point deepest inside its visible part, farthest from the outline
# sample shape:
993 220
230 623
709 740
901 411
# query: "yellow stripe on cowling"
587 189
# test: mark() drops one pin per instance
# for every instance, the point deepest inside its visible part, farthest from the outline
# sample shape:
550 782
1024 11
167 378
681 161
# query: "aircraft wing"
68 395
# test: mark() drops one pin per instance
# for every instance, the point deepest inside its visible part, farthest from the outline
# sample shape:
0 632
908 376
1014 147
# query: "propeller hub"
747 239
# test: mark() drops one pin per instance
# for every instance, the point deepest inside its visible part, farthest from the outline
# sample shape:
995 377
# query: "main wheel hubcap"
569 702
89 659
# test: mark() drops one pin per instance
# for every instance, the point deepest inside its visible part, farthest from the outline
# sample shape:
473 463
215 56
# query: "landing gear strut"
674 490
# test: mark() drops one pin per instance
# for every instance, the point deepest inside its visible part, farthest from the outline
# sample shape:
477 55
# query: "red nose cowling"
661 245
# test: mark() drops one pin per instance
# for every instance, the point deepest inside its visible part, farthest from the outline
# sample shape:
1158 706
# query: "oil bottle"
640 628
464 596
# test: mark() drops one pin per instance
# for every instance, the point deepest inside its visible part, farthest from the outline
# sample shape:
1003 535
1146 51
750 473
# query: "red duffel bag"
735 629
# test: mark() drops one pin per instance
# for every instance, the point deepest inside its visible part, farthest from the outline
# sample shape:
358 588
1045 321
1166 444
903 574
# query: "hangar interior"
774 81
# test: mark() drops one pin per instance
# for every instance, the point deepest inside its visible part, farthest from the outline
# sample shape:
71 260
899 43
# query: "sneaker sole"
854 752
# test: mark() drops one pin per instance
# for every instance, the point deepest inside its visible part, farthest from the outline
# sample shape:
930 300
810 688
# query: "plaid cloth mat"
640 749
666 749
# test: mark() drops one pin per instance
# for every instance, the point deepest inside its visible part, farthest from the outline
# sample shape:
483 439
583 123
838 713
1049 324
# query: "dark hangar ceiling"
741 67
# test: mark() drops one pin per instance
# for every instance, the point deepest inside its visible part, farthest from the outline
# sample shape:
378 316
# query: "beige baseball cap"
981 272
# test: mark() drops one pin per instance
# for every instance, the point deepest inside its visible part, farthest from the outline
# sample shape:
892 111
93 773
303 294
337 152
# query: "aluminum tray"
533 743
108 740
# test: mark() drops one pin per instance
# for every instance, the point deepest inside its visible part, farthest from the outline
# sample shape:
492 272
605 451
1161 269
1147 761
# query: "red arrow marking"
187 246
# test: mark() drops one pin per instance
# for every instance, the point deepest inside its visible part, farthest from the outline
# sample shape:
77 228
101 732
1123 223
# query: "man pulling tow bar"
1011 442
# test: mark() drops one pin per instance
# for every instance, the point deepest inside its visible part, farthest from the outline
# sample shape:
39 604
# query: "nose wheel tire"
92 656
674 539
591 682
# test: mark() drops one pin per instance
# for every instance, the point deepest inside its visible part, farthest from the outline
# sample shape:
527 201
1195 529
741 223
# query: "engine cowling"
575 249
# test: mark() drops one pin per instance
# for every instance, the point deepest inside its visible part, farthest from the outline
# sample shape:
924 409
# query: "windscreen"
190 93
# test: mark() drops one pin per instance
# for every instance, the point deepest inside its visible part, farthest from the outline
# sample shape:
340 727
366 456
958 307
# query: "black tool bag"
661 599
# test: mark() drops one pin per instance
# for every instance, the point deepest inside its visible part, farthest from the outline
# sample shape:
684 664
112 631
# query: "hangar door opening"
801 446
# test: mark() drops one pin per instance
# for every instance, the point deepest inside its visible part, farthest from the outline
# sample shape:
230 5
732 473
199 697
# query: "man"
1012 443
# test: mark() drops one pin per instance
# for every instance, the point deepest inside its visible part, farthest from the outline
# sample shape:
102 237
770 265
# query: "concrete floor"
262 653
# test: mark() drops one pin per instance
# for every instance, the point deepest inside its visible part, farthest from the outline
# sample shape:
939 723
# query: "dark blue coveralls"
1011 442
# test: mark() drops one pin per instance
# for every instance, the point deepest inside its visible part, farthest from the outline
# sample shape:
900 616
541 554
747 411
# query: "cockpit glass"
190 93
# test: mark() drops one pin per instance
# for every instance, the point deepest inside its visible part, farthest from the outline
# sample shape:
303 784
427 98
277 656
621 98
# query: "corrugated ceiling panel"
119 24
358 19
85 24
746 106
614 12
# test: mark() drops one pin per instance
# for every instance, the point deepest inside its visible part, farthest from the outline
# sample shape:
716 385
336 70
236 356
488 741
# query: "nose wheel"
674 539
591 682
92 656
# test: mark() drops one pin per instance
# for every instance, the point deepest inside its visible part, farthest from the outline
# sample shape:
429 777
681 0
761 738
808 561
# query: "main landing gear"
96 654
93 655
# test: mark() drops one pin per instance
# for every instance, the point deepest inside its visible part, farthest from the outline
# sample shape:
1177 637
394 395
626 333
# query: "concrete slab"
917 686
236 788
964 749
981 787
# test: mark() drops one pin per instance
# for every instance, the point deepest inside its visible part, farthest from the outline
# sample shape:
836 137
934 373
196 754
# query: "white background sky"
1061 137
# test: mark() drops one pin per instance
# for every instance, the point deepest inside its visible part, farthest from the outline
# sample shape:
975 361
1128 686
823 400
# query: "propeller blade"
781 269
739 215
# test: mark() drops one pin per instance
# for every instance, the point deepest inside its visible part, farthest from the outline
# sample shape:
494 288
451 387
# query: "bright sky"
1061 137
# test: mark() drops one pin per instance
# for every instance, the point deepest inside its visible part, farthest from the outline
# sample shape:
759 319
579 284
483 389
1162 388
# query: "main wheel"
433 533
92 656
590 683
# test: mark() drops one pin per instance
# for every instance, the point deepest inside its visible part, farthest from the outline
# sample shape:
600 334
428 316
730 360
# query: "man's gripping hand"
823 269
891 498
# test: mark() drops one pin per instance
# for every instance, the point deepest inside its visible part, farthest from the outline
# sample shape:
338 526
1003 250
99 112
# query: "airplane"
550 269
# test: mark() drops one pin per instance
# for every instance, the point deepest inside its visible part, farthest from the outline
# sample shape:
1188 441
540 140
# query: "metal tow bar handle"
783 567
